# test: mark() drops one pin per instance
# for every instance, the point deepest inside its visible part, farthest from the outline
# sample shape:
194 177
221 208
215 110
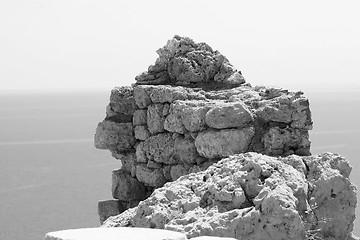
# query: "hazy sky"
88 44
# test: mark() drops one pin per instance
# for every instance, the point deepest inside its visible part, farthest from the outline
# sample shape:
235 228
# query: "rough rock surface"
184 62
188 111
205 112
254 196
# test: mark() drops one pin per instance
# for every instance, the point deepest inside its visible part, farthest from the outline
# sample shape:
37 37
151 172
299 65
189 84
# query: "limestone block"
140 153
155 118
112 135
193 118
115 234
278 141
167 94
285 107
150 177
139 117
113 116
141 97
124 187
141 132
108 208
228 115
160 148
223 143
185 150
173 122
122 100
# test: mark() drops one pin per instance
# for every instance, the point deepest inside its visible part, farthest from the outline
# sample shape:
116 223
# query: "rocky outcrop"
205 112
254 196
184 62
237 157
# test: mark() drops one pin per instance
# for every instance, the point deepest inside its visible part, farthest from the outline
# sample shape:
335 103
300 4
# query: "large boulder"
254 196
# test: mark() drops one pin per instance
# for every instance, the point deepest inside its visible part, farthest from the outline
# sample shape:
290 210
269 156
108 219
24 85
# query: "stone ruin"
204 153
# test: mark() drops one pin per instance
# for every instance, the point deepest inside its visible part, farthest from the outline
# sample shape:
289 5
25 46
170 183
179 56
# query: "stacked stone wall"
187 111
162 132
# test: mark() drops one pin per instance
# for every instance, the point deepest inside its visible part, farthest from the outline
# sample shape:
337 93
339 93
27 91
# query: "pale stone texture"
139 117
150 177
160 148
189 110
114 234
141 133
228 115
183 62
223 143
113 135
155 118
254 196
332 196
185 150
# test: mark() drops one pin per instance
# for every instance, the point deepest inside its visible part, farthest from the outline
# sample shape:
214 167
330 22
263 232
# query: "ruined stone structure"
192 120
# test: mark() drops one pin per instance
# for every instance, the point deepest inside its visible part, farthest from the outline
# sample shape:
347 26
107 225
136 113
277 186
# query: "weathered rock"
183 62
141 133
155 118
140 153
108 208
223 143
332 196
114 234
282 108
113 135
142 98
126 188
254 196
166 94
161 131
173 122
150 177
139 117
185 150
122 100
228 115
160 148
278 141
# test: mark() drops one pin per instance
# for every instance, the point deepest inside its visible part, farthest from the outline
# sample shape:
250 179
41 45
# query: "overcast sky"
88 44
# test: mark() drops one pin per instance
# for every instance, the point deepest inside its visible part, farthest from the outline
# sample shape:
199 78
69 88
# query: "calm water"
51 176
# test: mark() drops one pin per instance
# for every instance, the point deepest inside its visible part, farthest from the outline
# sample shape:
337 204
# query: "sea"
51 175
